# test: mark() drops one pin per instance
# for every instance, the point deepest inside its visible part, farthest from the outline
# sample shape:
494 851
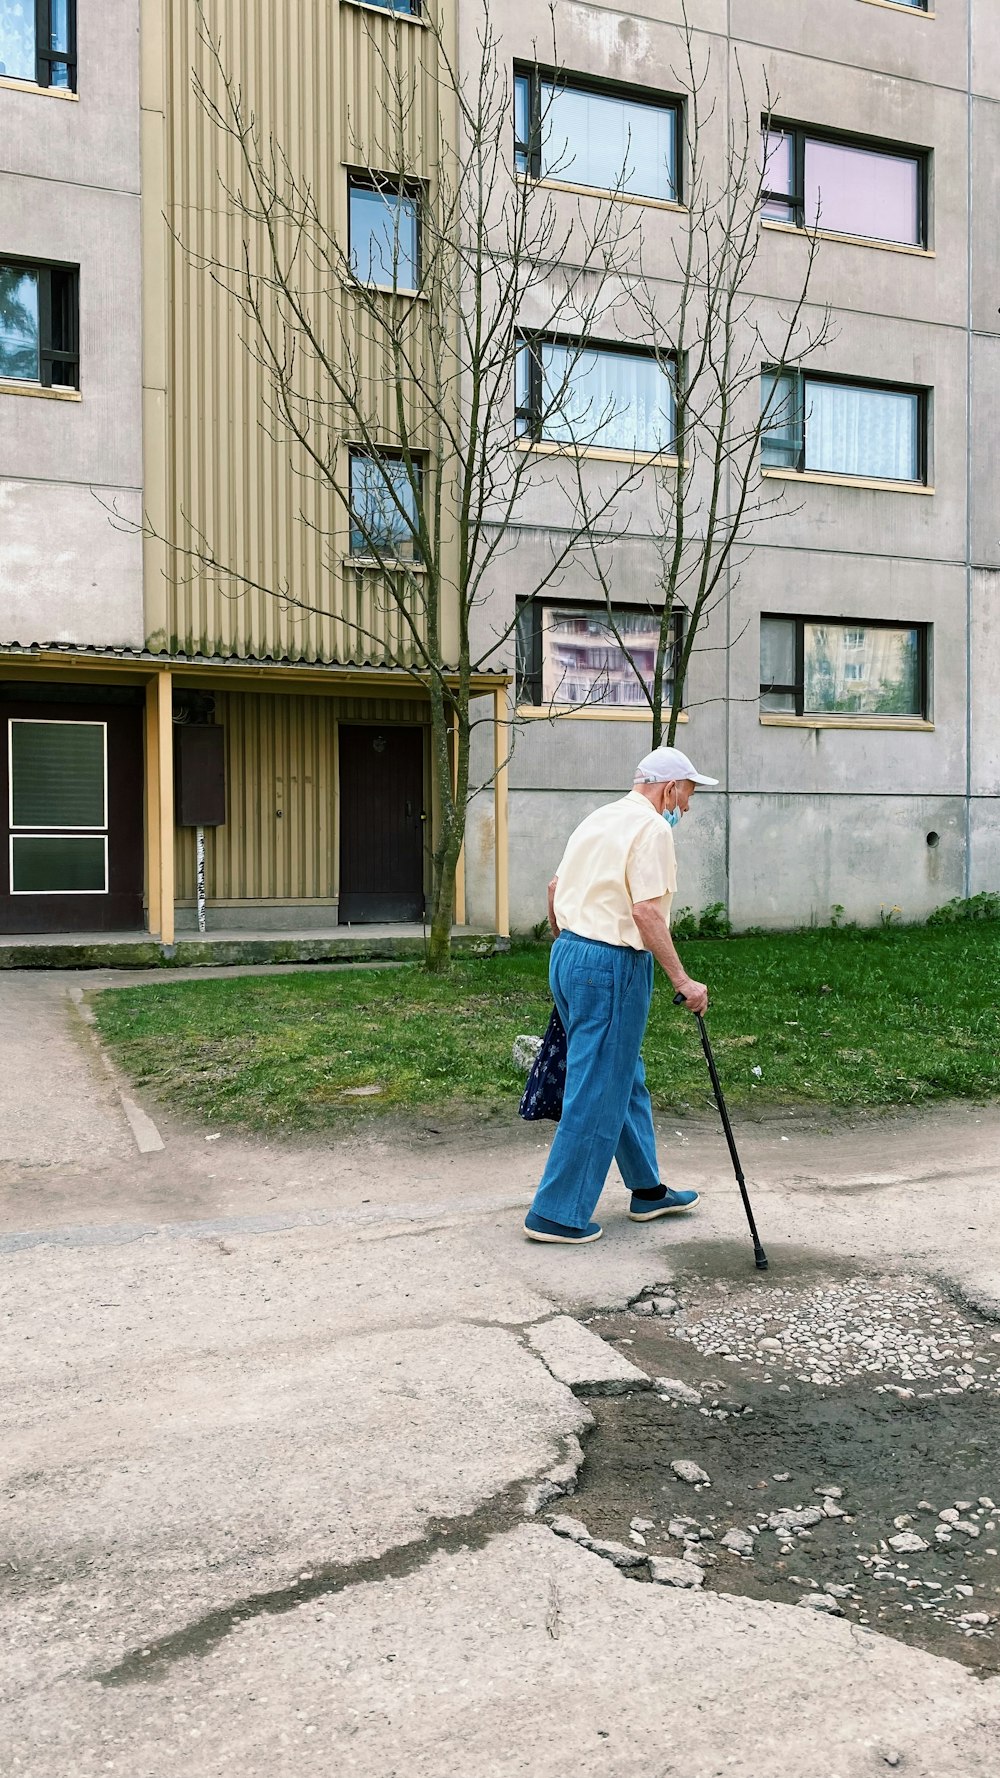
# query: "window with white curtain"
825 667
832 427
594 397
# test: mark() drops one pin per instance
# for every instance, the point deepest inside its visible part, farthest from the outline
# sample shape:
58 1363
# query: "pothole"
848 1428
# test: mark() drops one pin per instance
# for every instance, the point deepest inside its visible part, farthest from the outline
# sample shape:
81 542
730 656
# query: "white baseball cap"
668 765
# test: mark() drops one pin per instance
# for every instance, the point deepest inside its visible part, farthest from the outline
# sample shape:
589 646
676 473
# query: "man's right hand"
695 995
655 935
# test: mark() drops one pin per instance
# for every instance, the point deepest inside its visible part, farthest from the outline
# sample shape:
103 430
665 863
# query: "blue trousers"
603 993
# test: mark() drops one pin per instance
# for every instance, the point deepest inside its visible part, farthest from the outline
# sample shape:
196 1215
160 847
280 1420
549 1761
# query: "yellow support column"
460 866
501 849
164 701
152 763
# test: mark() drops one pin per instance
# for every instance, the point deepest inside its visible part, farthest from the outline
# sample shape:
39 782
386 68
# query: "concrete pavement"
58 1109
270 1413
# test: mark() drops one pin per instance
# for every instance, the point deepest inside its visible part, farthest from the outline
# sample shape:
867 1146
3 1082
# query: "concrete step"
137 950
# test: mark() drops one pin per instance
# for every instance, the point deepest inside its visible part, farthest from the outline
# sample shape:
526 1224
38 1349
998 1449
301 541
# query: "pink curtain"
855 192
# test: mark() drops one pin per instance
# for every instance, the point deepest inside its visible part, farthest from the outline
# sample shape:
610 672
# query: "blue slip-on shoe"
539 1228
648 1209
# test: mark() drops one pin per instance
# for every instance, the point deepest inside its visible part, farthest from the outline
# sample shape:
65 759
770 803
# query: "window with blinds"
58 808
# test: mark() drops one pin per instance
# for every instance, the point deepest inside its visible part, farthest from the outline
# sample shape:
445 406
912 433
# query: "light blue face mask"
671 817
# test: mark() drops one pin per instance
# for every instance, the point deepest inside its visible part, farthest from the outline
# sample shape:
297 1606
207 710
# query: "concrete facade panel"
984 873
985 407
67 574
808 761
479 872
570 753
708 18
866 279
985 48
985 653
904 43
860 522
617 43
865 854
612 39
986 248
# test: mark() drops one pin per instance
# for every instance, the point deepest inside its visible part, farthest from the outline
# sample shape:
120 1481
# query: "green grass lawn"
841 1018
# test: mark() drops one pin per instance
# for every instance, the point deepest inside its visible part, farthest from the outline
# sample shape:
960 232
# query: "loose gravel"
824 1442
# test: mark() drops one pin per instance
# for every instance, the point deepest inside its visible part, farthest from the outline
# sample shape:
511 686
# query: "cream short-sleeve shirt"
619 855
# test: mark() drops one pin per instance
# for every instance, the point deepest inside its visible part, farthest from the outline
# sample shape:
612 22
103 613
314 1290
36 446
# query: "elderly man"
609 910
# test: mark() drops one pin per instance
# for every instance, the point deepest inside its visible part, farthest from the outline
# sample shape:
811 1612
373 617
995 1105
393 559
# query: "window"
38 42
822 667
58 780
848 187
384 234
410 7
587 135
595 397
572 655
384 506
39 324
833 427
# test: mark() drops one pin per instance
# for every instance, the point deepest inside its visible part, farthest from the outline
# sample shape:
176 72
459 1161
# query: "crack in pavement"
442 1536
201 1636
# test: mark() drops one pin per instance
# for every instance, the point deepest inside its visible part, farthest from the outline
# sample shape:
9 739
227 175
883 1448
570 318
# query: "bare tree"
717 340
399 367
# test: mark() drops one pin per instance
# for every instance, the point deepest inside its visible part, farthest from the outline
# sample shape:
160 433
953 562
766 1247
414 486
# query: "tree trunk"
438 954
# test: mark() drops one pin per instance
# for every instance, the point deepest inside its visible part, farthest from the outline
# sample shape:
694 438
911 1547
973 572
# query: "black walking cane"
760 1257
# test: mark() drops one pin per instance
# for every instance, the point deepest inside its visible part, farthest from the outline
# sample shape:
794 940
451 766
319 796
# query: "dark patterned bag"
543 1095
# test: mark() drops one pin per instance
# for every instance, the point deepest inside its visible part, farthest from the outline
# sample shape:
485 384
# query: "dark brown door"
71 821
381 824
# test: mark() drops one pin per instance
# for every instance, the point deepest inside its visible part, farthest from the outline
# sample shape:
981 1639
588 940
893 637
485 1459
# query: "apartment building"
844 692
846 695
